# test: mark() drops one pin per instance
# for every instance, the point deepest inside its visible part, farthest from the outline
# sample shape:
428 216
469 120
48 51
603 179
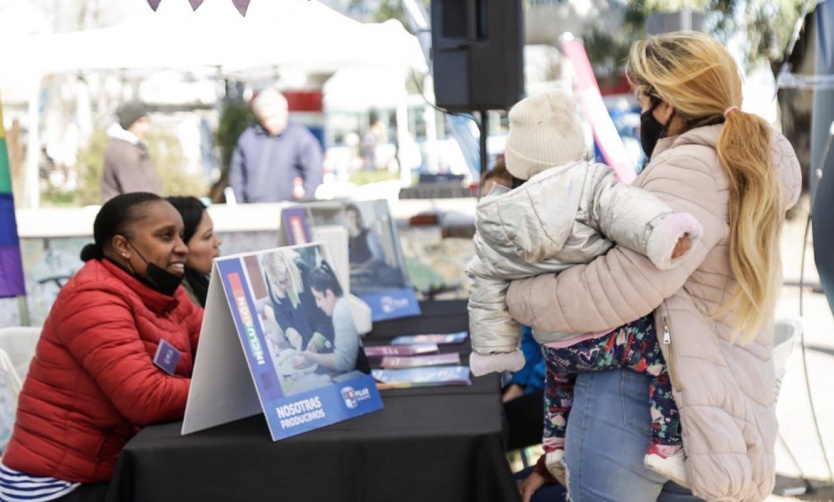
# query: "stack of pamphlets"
447 339
413 361
417 361
401 350
421 377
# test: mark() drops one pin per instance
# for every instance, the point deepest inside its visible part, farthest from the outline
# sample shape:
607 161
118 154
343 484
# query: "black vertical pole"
483 145
822 160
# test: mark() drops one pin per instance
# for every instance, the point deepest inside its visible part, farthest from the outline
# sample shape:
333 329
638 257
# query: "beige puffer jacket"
560 217
725 392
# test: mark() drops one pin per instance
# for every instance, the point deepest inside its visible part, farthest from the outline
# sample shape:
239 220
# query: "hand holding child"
684 244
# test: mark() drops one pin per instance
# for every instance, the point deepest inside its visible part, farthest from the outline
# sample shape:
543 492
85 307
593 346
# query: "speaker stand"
482 142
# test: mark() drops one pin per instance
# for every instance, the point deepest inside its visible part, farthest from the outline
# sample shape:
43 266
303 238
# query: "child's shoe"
670 466
553 461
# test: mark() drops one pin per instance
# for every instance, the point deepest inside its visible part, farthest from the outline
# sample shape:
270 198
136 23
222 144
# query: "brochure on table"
378 273
272 342
422 377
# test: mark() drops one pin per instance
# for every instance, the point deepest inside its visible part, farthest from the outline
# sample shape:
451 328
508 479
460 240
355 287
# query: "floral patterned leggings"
633 346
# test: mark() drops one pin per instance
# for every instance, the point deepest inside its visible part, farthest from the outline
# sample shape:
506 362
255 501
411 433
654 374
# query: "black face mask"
651 130
157 277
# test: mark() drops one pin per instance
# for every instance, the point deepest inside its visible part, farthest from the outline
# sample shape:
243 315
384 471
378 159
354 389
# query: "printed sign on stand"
278 337
295 225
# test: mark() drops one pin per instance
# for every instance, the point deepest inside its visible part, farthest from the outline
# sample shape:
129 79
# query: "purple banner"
11 273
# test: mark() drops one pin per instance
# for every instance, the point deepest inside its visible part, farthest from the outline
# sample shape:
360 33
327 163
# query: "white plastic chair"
10 386
785 334
19 343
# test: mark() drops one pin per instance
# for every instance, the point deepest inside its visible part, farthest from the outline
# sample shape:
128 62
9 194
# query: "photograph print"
378 274
299 337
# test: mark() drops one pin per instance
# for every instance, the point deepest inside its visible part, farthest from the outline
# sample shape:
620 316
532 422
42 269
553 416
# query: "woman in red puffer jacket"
96 378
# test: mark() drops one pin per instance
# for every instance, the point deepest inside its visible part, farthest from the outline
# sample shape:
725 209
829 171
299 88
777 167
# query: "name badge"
166 357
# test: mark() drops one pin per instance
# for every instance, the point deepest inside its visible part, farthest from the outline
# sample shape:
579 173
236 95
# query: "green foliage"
166 152
90 168
607 51
235 117
365 176
768 23
769 29
57 198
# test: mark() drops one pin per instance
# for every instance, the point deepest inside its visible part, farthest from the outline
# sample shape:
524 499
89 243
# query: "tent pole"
31 183
23 311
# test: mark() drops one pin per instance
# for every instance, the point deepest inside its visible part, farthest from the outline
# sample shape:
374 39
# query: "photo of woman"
310 333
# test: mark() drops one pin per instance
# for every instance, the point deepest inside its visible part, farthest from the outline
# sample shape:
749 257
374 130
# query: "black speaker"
477 53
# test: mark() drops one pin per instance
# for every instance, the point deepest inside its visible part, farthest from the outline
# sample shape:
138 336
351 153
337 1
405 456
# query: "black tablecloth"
427 444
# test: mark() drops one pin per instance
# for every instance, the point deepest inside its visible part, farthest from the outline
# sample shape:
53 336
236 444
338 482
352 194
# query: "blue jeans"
608 434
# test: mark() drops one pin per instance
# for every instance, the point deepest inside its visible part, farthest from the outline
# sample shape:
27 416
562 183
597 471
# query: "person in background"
128 166
523 396
275 160
714 312
365 249
375 136
203 246
497 176
96 378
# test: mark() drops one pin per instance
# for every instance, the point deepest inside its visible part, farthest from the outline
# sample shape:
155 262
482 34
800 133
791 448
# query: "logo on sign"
349 395
390 304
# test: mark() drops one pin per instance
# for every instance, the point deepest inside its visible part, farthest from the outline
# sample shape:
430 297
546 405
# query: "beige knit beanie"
544 132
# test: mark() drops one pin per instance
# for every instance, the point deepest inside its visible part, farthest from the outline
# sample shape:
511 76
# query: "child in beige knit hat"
568 211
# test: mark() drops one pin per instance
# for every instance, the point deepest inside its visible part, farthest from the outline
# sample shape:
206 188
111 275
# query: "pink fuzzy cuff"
665 236
482 364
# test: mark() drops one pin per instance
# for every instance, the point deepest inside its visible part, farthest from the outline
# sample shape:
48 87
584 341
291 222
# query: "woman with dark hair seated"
203 246
114 355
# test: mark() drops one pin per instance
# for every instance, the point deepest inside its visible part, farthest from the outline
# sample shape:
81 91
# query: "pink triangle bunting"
195 3
154 4
241 6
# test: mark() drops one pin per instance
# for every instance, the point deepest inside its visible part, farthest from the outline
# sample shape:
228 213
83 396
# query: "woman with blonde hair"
714 311
289 304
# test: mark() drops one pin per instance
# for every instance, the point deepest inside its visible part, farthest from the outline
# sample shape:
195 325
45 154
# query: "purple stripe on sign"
11 273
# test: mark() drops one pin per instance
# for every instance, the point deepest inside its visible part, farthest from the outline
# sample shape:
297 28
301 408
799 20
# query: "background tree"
382 10
768 25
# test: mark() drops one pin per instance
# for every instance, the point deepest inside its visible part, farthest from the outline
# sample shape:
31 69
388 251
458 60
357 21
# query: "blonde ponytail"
756 216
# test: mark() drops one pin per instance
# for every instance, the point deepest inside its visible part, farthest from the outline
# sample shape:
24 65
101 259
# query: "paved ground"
814 365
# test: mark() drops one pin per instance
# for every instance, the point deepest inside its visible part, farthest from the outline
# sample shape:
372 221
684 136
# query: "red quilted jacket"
92 384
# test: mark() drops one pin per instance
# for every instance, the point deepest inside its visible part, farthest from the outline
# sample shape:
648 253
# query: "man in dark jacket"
275 160
127 165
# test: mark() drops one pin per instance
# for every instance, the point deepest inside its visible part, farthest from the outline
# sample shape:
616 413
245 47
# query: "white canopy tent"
299 34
